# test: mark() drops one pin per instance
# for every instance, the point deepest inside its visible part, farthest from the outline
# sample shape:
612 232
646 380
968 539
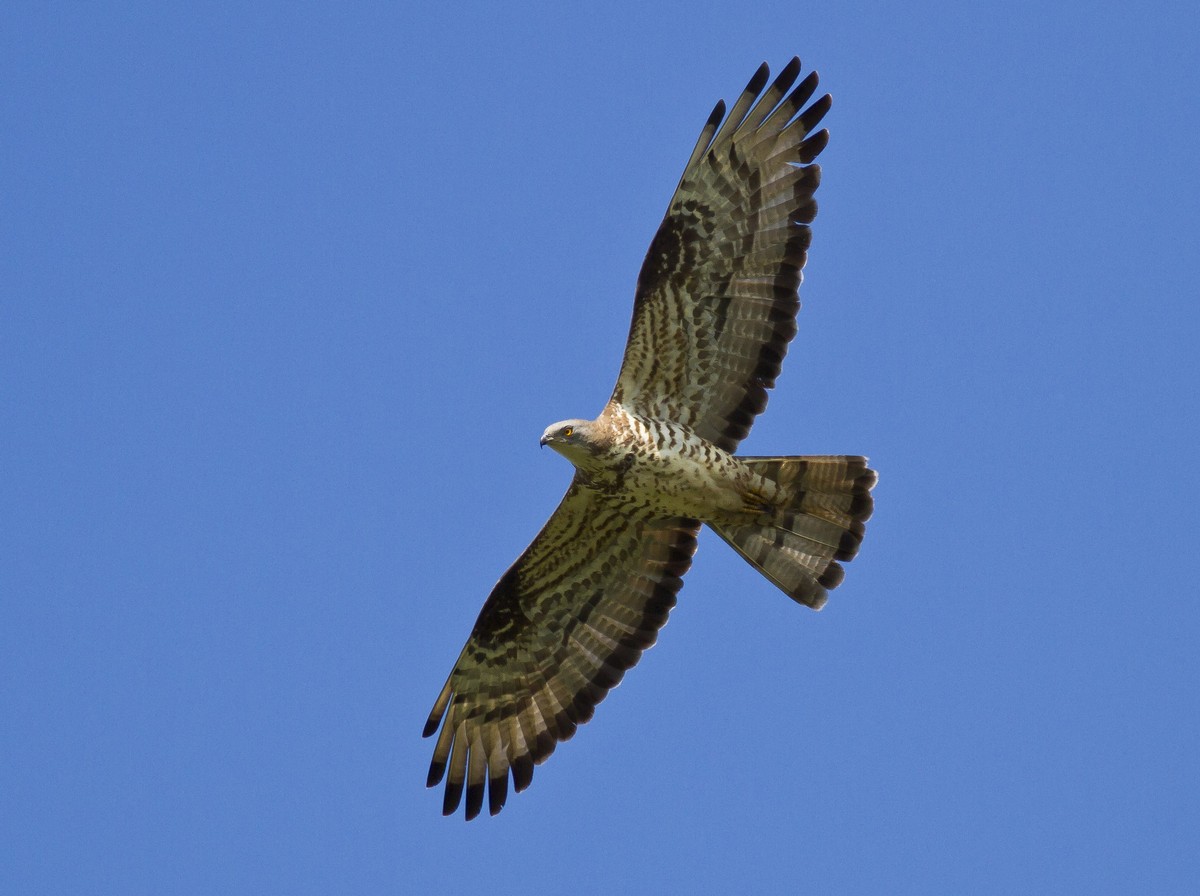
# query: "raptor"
714 310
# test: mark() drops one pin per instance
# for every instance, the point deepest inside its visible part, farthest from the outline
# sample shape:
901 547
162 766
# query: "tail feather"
821 523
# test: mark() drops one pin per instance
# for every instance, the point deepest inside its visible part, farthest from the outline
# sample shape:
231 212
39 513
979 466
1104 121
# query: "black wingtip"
522 772
431 726
474 800
452 798
497 793
789 72
759 81
813 146
717 114
436 771
814 113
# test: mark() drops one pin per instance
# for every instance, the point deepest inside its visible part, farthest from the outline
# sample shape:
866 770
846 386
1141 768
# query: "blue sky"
289 293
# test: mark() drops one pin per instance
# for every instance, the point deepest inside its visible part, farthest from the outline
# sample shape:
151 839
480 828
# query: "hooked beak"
544 441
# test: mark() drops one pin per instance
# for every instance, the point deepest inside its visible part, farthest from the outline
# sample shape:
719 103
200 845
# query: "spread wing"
557 633
717 296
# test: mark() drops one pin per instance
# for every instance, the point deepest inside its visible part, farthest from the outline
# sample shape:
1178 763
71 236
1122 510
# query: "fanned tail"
819 527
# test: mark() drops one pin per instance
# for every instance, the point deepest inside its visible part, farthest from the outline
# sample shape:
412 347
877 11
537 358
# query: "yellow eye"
567 433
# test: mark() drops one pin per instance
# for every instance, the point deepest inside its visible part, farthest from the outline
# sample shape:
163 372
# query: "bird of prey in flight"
714 310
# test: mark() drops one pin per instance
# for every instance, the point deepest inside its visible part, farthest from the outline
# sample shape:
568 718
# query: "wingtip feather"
759 80
452 797
497 793
474 800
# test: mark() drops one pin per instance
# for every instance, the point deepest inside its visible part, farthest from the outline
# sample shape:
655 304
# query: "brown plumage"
714 312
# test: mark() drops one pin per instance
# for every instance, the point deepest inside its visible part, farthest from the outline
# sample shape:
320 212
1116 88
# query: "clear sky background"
288 293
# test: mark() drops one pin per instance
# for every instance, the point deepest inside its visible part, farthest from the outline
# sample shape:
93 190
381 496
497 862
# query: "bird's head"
573 439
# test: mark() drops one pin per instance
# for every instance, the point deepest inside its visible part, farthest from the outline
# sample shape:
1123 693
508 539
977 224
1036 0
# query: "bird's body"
714 311
663 469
